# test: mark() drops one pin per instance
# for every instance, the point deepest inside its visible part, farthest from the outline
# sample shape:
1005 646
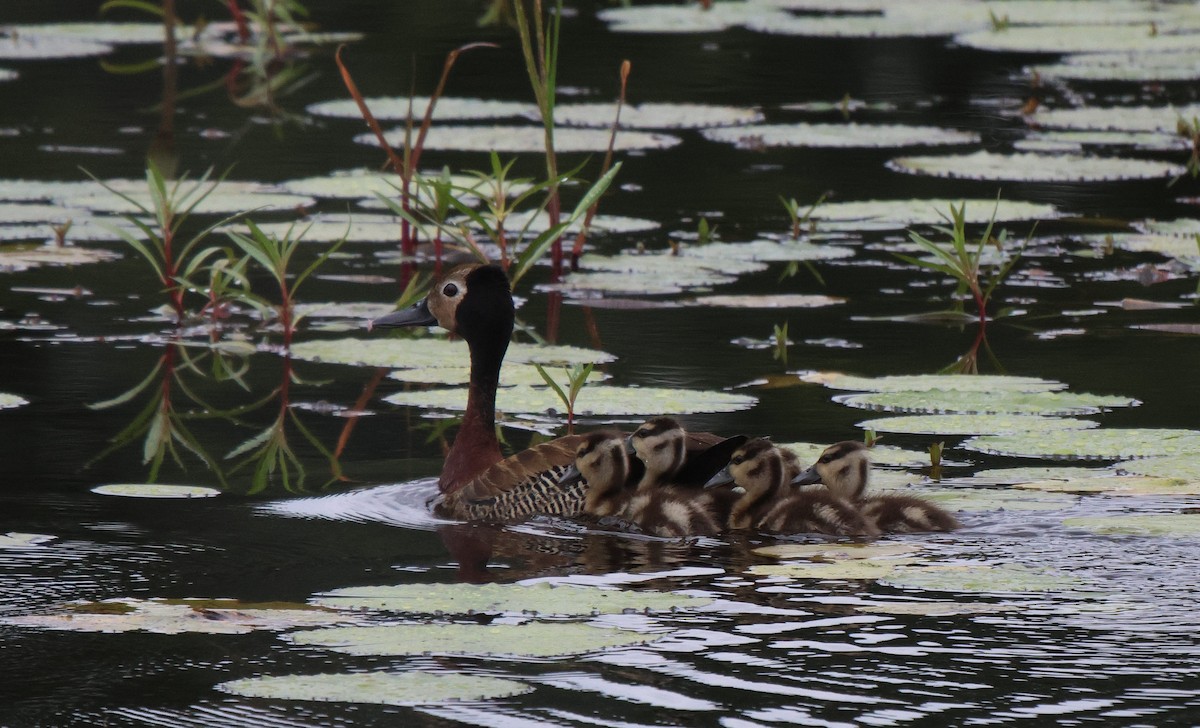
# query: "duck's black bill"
723 477
808 476
415 315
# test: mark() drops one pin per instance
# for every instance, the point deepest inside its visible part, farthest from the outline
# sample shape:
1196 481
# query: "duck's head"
843 467
601 459
473 301
757 467
661 444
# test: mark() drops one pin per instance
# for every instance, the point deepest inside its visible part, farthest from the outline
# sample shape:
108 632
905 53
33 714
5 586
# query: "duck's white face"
661 444
445 297
758 466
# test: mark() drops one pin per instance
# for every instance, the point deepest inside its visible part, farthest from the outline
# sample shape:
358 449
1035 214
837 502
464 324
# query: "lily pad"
781 300
541 599
890 455
363 310
903 213
982 578
935 609
1182 467
1075 141
175 617
223 200
1081 39
393 108
681 278
535 639
1116 118
397 353
597 400
655 116
1107 443
1116 485
974 424
365 184
516 139
18 46
512 374
999 402
16 540
8 401
994 499
1169 245
380 688
1143 67
766 250
599 223
837 135
1156 524
987 383
156 490
851 569
1028 474
686 18
837 552
1029 167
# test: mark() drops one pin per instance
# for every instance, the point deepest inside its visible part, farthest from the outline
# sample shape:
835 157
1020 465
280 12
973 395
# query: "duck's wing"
903 513
517 469
707 459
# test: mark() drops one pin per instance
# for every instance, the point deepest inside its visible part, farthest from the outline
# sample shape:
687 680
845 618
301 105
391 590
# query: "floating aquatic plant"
1029 167
974 424
1182 467
162 616
534 639
379 688
999 402
599 400
984 383
1106 443
983 578
837 135
446 107
434 352
1113 484
540 599
156 490
656 115
1182 525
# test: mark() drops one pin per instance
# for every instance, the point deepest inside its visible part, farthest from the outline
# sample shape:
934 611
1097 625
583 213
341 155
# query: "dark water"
1116 649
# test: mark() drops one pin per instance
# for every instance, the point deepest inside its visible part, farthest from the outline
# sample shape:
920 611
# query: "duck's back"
813 510
673 512
904 513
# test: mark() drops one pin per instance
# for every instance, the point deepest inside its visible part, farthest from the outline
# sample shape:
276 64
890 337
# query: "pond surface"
1035 611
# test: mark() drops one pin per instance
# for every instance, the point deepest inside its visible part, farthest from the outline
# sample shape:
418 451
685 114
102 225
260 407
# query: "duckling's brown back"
903 513
814 511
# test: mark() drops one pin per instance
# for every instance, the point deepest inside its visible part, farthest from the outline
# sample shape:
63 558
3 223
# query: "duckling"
761 469
602 461
845 468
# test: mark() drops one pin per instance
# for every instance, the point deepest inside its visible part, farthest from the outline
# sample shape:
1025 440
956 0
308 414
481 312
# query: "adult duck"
475 303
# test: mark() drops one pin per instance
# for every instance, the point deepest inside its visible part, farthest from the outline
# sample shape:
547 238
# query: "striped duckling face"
660 443
603 462
844 468
758 467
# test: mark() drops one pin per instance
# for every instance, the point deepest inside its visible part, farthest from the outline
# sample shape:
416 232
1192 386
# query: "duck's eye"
639 433
450 290
738 460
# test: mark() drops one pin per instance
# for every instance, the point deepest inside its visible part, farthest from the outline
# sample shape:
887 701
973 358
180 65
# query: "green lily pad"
851 569
1116 485
973 424
515 139
17 540
1029 474
360 310
665 264
8 401
1144 67
19 46
1169 245
781 300
890 455
655 116
680 278
935 609
1029 167
837 552
1156 524
999 402
597 400
535 639
156 490
1108 443
1138 38
1187 227
115 33
1075 141
994 499
599 224
1182 467
511 375
1117 118
982 578
837 135
380 688
928 382
431 351
766 250
393 108
163 617
365 184
686 18
540 599
224 200
904 213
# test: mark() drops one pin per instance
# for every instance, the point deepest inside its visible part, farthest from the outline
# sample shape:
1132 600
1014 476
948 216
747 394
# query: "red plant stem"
285 316
359 405
243 30
554 301
581 239
437 254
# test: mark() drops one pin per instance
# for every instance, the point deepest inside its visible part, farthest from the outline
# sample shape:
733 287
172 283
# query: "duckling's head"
660 443
601 459
473 301
844 469
756 467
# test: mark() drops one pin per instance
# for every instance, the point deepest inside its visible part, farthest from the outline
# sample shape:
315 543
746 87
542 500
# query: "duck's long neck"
475 446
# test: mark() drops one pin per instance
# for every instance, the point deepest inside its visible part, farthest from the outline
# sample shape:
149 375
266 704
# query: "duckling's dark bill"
807 477
415 315
723 477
